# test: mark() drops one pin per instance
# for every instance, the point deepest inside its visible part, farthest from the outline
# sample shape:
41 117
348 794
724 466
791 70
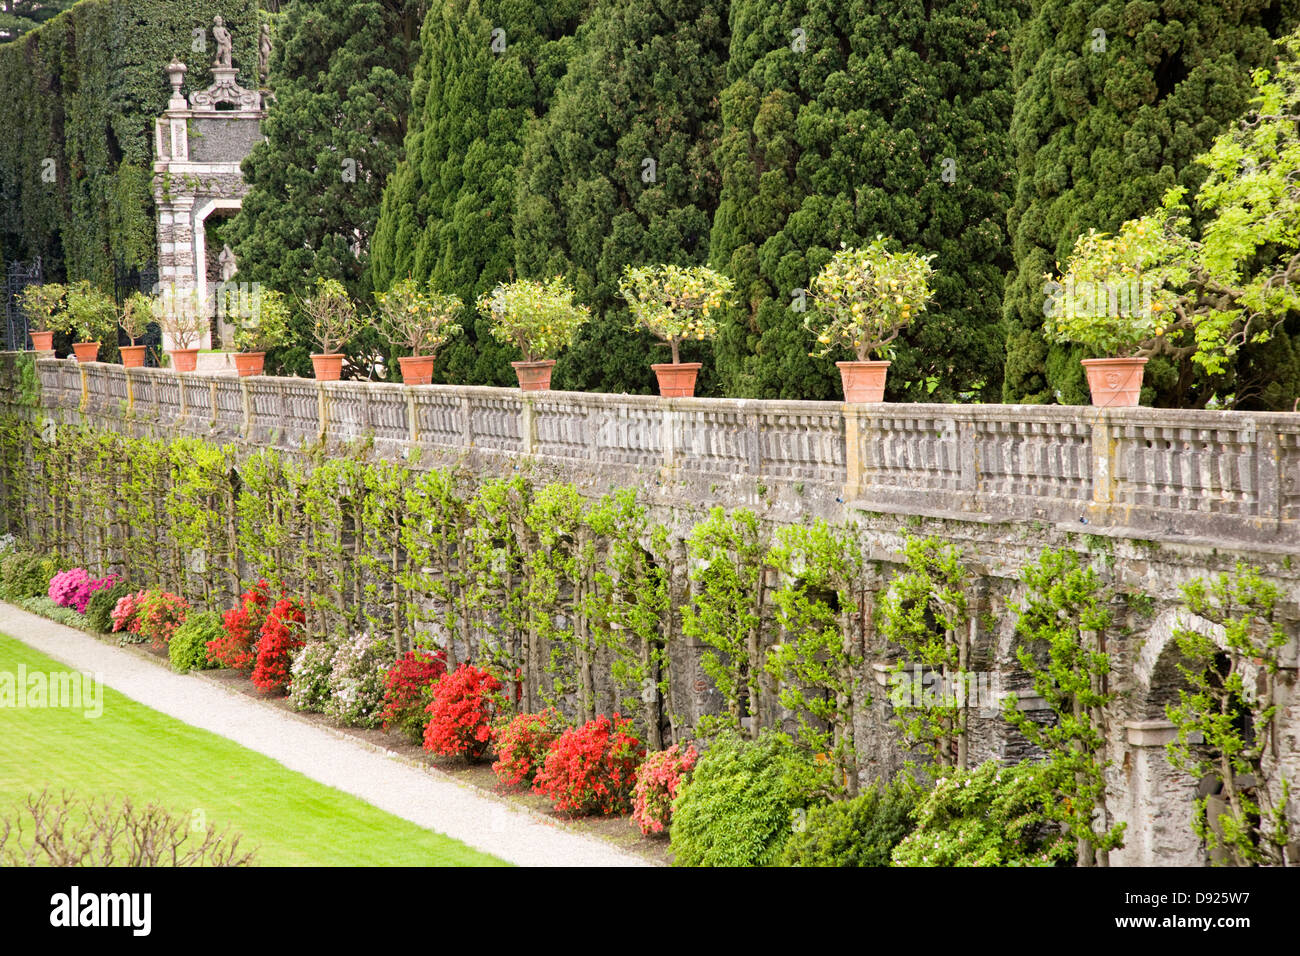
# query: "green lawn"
132 750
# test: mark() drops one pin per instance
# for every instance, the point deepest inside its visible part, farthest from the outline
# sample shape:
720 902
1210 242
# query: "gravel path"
422 795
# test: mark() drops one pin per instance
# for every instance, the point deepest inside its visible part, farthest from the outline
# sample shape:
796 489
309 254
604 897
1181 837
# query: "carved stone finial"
222 36
176 74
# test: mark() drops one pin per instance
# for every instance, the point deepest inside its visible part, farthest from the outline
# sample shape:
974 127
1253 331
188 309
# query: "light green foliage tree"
500 541
333 315
674 303
1231 702
1111 112
41 304
819 665
417 319
538 318
728 569
268 326
435 536
558 596
1063 626
629 608
88 315
926 612
864 297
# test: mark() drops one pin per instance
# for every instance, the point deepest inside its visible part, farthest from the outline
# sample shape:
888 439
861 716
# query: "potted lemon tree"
538 318
137 313
267 327
42 305
676 304
89 316
419 321
1117 297
183 324
862 299
334 322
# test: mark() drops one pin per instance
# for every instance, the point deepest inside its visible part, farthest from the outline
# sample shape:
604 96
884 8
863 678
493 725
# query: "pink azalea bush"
125 615
74 588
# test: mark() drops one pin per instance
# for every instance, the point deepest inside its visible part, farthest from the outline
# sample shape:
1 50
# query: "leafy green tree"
340 71
621 171
729 562
926 612
486 67
1063 626
1231 703
819 664
845 121
1114 100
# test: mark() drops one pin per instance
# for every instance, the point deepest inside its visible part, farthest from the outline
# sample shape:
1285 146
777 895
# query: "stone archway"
1158 798
198 147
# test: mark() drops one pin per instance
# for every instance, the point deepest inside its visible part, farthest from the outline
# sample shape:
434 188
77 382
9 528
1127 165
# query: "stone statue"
264 53
227 262
222 36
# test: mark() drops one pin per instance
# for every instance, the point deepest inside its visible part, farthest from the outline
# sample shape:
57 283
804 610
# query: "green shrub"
26 574
739 806
99 608
989 816
188 648
858 832
47 608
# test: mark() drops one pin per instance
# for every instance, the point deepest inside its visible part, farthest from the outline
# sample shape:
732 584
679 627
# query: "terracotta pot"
677 381
133 355
328 366
249 363
863 381
1115 382
184 360
534 376
416 369
42 341
86 351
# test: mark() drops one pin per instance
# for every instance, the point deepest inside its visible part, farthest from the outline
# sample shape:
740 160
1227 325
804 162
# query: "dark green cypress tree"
340 71
621 171
486 68
1114 100
842 121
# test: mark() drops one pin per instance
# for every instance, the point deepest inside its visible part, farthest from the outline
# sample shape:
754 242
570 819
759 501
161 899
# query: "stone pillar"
1155 799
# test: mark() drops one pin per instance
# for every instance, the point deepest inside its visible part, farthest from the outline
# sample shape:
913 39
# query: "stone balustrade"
1136 472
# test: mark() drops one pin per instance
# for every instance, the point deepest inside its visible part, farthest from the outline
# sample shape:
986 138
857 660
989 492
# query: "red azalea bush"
280 637
592 768
460 714
522 744
657 780
159 615
237 647
126 613
406 691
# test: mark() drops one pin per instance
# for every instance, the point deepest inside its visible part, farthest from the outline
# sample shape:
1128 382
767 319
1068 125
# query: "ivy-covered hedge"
80 97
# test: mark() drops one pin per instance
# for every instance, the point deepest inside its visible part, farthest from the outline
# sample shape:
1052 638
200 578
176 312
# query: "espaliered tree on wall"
341 74
81 94
1114 100
621 171
485 69
841 123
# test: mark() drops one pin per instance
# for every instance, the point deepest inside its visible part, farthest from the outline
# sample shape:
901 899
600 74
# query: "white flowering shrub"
309 676
356 682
